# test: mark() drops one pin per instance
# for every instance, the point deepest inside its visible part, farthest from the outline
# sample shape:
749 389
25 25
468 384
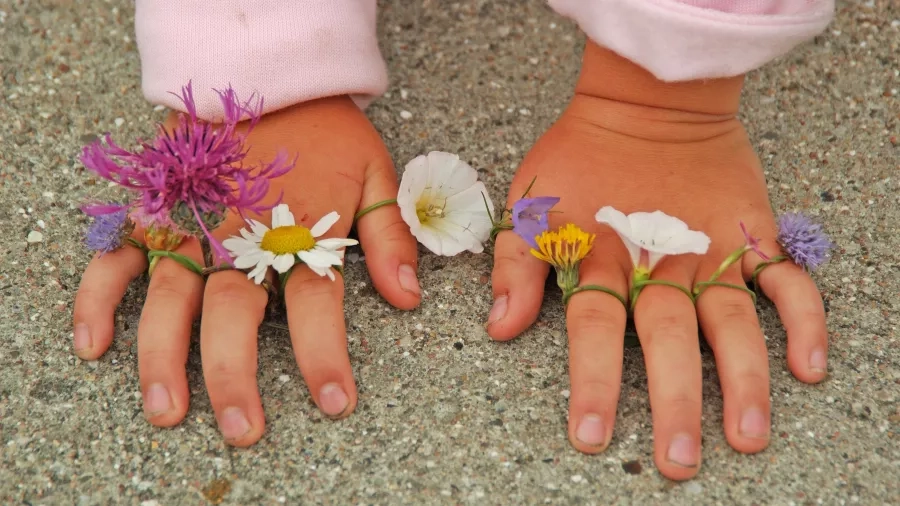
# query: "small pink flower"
752 242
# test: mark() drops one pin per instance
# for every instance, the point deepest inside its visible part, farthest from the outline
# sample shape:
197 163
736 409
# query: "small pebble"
577 478
284 378
119 121
404 94
405 114
693 488
35 237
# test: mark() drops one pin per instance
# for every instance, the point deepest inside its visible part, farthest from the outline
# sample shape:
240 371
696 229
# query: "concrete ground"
445 416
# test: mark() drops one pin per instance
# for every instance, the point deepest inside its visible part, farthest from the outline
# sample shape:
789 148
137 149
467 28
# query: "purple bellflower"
109 230
189 176
803 240
529 217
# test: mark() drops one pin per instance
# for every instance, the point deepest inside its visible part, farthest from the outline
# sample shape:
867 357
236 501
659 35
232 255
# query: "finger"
728 319
233 309
518 286
801 310
102 287
316 321
595 322
164 336
390 248
667 326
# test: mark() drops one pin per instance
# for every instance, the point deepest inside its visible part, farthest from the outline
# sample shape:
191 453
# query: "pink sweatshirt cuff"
680 40
287 51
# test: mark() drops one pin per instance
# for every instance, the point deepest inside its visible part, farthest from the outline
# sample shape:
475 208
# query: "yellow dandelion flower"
564 249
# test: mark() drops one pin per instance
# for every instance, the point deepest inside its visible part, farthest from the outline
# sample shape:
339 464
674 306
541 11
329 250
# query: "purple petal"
529 217
803 240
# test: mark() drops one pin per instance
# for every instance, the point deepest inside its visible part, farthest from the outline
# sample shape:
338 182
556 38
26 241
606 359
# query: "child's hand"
342 166
638 144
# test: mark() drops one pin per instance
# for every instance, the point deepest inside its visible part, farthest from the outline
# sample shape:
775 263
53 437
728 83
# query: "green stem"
373 207
597 288
699 287
639 285
499 227
137 244
728 262
188 263
763 265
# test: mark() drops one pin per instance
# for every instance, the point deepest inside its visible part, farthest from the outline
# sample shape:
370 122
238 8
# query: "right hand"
342 166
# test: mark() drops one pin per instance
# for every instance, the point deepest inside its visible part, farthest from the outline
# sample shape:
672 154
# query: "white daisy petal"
324 224
250 236
258 228
335 244
248 260
238 245
258 273
283 263
319 258
282 216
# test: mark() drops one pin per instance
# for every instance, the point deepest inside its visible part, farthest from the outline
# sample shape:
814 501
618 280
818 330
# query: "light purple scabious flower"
752 242
110 228
529 217
191 175
803 240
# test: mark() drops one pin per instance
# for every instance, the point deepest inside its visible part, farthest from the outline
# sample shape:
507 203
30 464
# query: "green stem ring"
373 207
638 285
699 288
137 244
759 268
596 288
186 262
499 227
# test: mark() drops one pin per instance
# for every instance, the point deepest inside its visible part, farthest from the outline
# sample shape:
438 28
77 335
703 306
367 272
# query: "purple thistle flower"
753 242
109 230
529 217
193 174
803 240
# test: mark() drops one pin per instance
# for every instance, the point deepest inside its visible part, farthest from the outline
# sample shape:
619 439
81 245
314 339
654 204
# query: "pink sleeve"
680 40
288 51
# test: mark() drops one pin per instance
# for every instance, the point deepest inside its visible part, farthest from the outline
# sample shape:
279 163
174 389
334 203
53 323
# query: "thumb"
390 249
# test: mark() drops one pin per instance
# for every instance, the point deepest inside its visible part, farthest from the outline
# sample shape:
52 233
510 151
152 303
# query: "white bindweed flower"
651 236
286 242
443 203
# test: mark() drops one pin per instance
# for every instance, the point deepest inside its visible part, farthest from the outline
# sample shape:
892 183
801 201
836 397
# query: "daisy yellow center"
564 248
285 240
426 210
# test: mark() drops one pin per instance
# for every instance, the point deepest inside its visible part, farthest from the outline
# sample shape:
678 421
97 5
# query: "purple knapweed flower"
529 217
192 174
803 240
110 229
752 242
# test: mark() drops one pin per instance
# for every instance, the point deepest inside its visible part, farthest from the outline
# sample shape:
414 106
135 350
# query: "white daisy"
443 203
649 237
286 242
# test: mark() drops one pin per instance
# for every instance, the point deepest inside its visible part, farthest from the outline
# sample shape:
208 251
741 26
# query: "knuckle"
233 293
672 328
589 322
605 389
224 372
737 311
394 231
681 404
311 288
167 284
160 357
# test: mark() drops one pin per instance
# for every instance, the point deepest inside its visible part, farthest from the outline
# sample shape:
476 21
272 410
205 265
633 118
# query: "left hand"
677 148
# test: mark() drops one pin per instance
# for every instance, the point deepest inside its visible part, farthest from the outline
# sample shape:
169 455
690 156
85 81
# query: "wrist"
606 75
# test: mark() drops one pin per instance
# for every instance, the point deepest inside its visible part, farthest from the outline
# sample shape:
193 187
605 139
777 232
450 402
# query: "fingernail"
333 399
682 451
408 281
499 309
754 424
233 423
83 339
818 362
157 400
591 430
